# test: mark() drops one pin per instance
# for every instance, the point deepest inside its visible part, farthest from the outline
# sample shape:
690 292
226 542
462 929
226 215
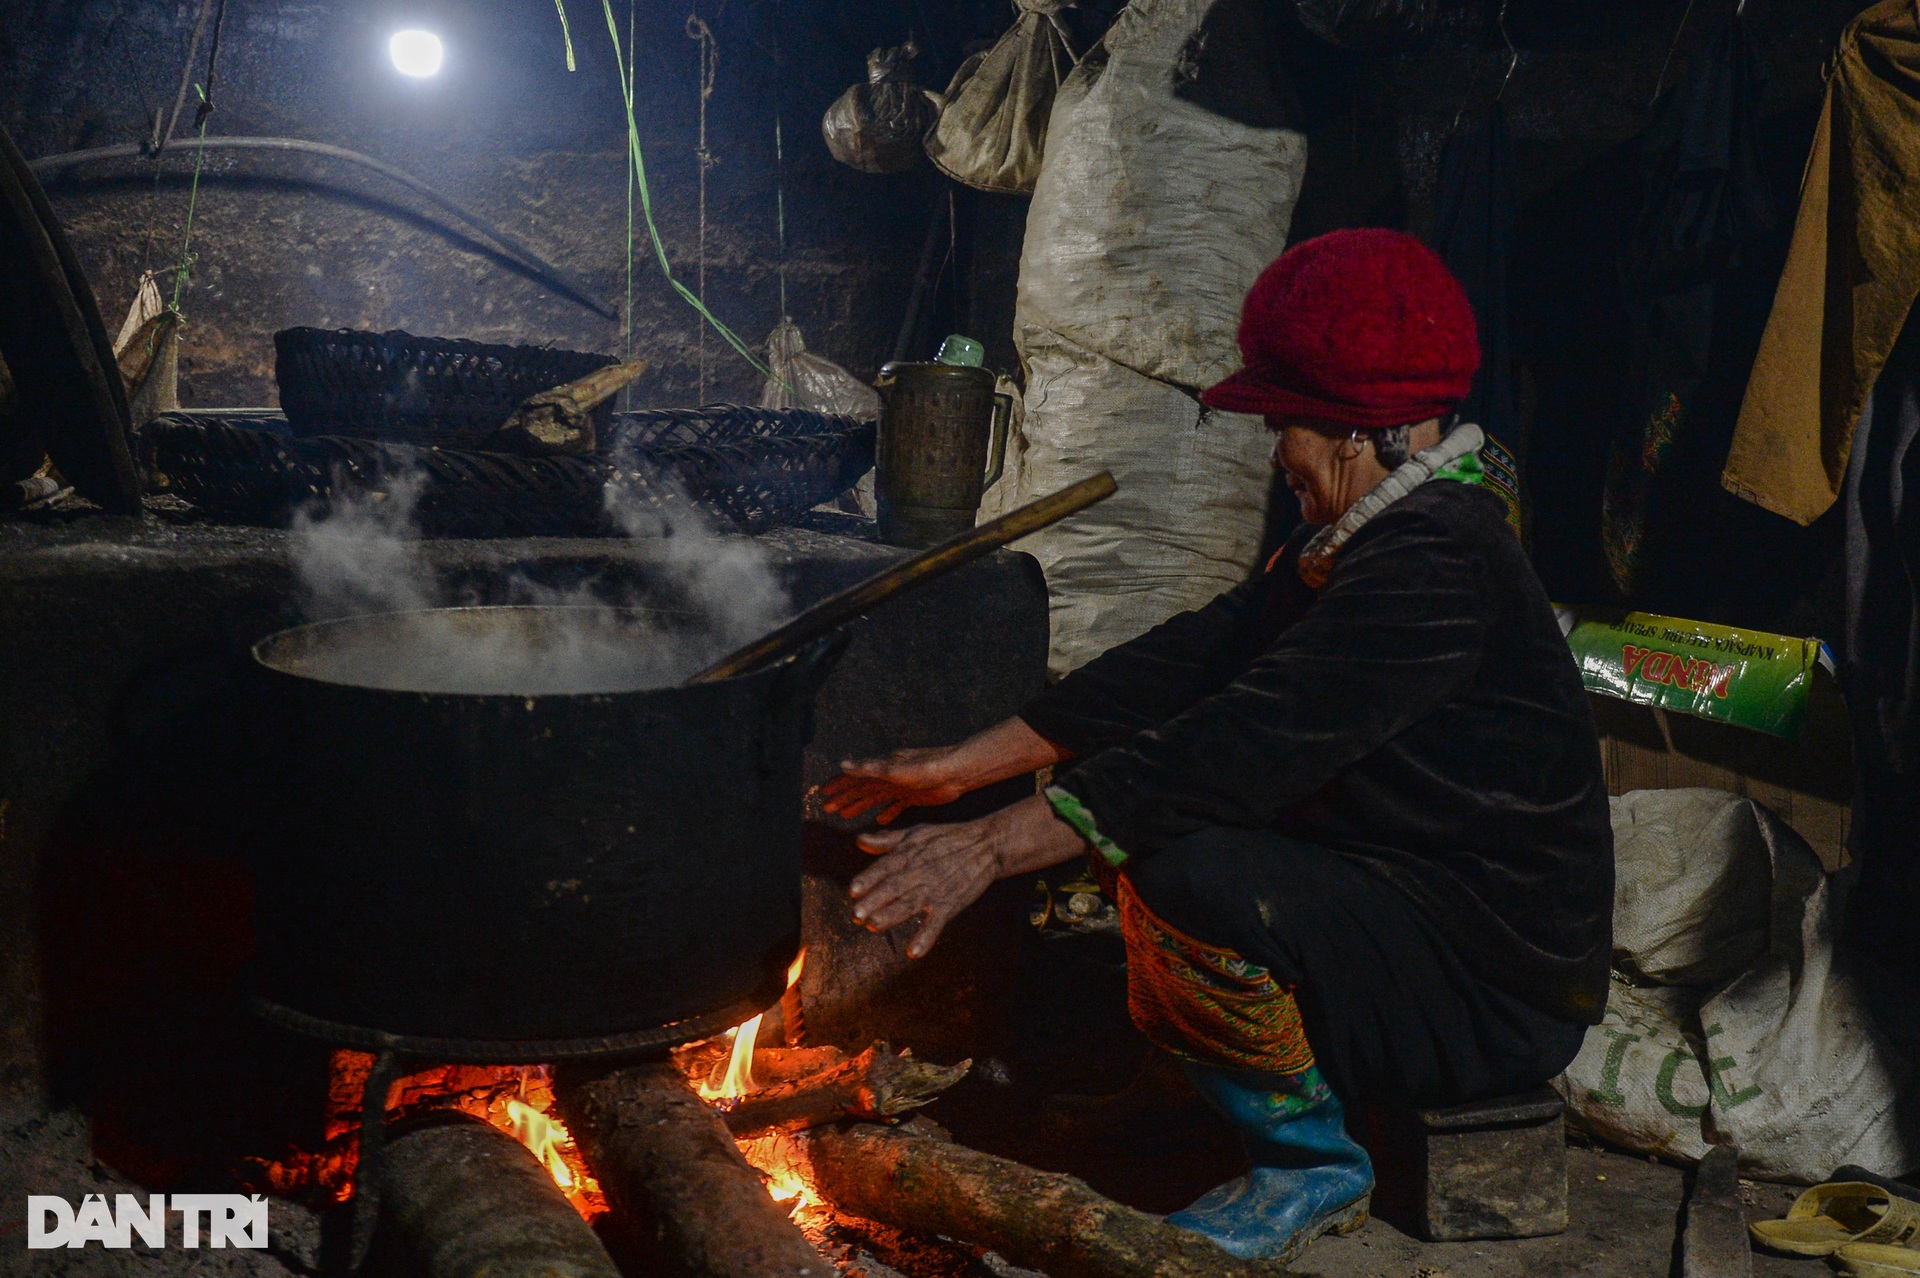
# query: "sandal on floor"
1877 1260
1828 1217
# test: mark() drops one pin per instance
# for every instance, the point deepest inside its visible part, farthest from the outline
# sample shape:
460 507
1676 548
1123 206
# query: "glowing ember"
775 1158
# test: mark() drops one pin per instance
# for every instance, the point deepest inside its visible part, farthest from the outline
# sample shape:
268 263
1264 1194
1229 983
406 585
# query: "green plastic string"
566 33
646 203
185 266
633 8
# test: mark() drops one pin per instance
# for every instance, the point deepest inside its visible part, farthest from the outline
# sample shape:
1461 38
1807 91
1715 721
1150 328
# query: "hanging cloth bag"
993 119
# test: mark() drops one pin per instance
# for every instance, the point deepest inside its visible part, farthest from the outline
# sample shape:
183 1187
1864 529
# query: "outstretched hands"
933 872
929 777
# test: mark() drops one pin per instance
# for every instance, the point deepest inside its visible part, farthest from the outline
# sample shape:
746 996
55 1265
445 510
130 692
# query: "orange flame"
544 1136
738 1080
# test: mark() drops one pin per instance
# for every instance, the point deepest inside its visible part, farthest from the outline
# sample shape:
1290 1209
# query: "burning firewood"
555 423
664 1156
461 1199
1041 1220
878 1083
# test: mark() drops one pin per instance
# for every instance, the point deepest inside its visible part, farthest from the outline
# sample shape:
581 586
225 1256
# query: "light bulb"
416 53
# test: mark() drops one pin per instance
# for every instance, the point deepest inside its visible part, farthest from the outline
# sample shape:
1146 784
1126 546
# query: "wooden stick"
663 1156
875 1084
837 610
1042 1220
464 1200
1713 1240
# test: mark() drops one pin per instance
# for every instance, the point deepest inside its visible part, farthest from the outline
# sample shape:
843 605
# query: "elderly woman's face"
1319 459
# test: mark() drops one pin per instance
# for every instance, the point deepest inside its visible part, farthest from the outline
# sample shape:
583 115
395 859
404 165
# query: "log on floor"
663 1156
461 1199
878 1083
1042 1220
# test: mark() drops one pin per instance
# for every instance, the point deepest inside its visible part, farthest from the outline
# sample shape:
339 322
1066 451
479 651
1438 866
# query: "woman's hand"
935 871
933 776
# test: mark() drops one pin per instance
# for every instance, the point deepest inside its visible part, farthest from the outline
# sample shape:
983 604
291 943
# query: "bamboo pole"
836 610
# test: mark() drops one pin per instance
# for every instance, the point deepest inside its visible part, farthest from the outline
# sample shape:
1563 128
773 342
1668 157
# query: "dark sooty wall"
1579 97
504 130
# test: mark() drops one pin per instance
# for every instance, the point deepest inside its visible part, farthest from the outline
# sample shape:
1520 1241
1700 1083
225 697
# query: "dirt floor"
1624 1211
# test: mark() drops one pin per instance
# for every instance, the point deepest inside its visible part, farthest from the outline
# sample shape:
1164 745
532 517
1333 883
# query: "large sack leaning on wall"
1741 1022
993 124
1129 299
877 127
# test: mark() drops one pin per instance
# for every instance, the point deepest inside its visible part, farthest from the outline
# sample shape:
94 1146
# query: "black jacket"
1422 715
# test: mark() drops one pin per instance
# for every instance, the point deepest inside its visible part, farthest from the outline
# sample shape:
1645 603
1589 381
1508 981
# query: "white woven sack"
1186 522
1152 216
1692 872
1800 1058
1150 220
1637 1081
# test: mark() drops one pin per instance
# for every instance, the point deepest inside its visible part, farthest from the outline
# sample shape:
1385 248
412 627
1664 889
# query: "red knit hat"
1366 327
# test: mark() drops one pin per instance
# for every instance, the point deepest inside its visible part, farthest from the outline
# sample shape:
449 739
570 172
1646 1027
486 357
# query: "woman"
1352 812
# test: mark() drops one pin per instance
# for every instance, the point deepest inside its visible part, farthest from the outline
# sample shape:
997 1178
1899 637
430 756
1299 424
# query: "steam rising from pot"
361 553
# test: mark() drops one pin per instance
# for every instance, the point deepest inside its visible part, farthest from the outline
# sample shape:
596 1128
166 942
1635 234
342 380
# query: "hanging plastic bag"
802 379
993 126
877 127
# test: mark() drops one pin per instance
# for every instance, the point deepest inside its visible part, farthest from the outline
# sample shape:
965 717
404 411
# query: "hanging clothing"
1851 277
1473 232
1704 207
1418 716
1880 657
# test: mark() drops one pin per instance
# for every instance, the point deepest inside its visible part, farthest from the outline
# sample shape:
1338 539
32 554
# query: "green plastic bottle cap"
962 351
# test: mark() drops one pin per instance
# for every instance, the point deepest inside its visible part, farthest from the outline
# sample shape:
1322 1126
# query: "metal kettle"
943 442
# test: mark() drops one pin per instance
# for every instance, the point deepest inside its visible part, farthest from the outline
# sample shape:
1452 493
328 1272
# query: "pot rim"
263 659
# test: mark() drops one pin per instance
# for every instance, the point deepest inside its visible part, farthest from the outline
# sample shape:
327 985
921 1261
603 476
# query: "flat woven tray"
416 390
751 477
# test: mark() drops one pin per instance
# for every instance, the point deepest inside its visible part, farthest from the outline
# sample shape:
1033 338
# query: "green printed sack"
1748 677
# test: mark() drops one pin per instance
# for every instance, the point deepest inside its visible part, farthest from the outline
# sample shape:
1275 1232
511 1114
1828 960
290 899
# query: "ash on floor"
50 1153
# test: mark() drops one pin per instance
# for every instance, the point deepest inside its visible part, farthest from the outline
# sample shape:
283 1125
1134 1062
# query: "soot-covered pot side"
547 868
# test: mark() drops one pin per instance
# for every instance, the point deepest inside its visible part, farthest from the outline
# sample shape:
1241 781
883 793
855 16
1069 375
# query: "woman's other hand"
933 872
940 774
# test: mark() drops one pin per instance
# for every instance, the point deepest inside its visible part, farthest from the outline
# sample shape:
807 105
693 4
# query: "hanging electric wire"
184 267
625 70
626 392
779 166
709 64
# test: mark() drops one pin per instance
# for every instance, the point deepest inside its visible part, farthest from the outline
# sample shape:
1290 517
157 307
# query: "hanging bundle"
877 127
993 124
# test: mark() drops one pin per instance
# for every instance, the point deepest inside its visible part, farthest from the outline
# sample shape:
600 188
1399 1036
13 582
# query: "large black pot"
492 875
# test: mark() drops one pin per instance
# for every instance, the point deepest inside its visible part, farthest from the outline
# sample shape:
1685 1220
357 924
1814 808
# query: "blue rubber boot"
1308 1177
